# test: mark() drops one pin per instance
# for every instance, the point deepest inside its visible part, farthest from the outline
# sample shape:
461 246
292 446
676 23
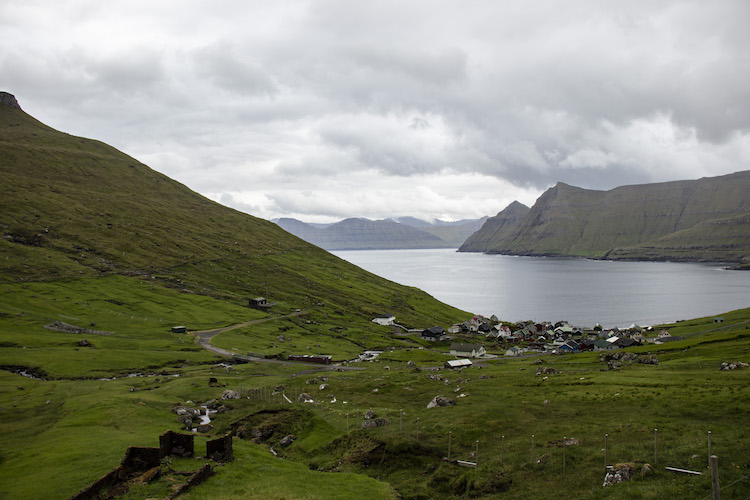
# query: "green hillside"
101 257
701 220
75 207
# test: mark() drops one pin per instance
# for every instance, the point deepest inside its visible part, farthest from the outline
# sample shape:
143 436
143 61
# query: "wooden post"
656 446
709 449
347 422
532 449
449 445
502 448
417 429
476 454
605 452
715 477
400 420
564 455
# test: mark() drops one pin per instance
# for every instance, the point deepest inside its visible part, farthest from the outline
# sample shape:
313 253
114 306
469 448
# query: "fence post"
605 452
400 420
502 448
656 446
347 422
532 449
449 445
564 438
709 449
417 429
715 477
476 454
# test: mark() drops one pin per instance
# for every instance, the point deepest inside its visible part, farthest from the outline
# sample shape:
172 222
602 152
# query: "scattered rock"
618 474
312 381
650 359
407 388
287 440
84 343
204 428
375 422
304 398
261 434
411 364
280 388
546 370
375 390
441 400
323 387
537 361
483 377
369 415
646 469
733 366
230 394
213 381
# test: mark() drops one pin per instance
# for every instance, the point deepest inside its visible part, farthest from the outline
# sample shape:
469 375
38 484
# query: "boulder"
261 434
204 428
323 387
369 415
375 422
230 394
304 397
618 474
287 440
441 400
411 364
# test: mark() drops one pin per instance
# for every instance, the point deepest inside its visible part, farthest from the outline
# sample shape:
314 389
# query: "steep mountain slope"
496 228
75 207
653 221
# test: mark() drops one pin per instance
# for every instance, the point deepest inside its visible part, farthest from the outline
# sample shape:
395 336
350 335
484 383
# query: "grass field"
67 428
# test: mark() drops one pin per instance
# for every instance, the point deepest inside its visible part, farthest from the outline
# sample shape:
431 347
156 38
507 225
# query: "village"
527 338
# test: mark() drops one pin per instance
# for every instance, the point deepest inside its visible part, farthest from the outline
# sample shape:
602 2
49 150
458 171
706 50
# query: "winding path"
203 339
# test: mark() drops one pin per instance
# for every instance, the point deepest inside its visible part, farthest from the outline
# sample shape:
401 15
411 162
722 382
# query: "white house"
384 319
467 350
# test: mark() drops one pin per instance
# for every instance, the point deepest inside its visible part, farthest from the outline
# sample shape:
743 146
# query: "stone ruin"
144 464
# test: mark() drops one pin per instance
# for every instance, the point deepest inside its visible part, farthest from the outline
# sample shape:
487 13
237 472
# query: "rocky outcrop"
7 99
441 400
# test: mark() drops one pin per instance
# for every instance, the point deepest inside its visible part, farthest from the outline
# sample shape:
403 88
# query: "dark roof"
433 330
465 347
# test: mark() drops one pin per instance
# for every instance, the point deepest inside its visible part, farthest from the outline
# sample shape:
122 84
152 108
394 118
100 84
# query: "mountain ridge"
634 222
359 233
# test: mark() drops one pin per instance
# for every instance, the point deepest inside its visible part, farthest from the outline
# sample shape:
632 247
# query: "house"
603 345
569 346
260 303
514 351
718 319
433 333
385 319
627 342
503 331
468 350
454 328
458 363
586 345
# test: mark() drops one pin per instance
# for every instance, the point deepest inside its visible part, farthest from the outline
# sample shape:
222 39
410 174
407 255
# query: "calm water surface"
584 292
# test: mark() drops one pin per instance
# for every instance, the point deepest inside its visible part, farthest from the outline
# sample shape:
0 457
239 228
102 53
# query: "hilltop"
704 220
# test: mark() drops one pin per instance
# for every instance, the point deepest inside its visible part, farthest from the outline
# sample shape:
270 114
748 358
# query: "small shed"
261 303
179 329
458 363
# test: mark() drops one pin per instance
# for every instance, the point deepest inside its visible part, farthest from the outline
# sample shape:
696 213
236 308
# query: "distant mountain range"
704 220
365 234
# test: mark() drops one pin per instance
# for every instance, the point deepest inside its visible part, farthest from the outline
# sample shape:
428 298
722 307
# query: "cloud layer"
330 109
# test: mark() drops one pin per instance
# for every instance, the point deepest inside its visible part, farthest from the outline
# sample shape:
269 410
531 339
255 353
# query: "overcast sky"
322 110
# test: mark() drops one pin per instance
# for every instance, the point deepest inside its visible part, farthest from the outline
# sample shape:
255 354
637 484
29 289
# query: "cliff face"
654 221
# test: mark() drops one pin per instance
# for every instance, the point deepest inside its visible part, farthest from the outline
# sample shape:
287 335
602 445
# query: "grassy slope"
76 207
63 432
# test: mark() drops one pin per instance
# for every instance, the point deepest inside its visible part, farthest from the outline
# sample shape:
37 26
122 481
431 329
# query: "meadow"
69 426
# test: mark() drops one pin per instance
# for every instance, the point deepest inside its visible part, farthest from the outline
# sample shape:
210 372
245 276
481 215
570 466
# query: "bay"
583 292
